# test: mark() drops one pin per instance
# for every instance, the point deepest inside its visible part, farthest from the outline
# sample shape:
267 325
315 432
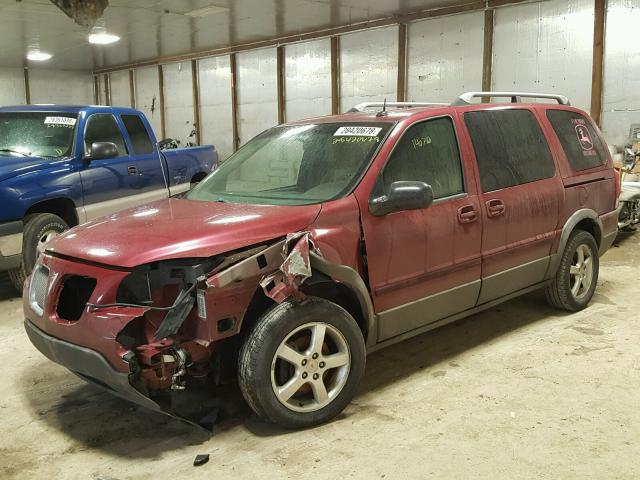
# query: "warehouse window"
580 142
138 134
510 148
427 152
102 127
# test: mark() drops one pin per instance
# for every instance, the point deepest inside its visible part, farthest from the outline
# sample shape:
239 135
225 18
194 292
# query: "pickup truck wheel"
301 363
577 276
39 229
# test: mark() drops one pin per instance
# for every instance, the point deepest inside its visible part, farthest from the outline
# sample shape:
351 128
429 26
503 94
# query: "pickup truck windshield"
36 134
295 165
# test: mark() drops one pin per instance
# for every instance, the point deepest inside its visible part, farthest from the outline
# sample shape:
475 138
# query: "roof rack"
516 97
361 107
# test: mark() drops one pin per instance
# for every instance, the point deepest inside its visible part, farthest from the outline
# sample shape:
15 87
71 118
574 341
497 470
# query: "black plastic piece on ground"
200 460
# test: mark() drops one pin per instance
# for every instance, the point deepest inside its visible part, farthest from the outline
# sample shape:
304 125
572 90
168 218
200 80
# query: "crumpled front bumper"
88 364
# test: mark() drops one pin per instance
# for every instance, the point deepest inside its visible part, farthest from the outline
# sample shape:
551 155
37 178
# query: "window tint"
102 127
578 139
138 134
427 152
510 148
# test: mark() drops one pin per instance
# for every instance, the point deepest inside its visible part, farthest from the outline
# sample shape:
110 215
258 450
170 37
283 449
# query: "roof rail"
516 97
361 107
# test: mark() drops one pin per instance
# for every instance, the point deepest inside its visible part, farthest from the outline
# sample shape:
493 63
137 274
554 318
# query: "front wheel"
301 363
577 276
39 229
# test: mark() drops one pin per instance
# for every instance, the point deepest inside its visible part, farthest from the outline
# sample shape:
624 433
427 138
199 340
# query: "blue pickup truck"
64 165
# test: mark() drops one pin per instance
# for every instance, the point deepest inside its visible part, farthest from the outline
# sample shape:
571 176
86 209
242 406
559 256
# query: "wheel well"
198 177
329 290
62 207
589 225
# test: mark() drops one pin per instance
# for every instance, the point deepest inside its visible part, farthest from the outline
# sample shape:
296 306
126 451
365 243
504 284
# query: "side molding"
349 277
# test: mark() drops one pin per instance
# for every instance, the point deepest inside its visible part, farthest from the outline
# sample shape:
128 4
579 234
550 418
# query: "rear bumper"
609 225
88 364
10 244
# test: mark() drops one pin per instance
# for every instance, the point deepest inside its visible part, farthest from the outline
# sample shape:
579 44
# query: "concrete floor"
520 391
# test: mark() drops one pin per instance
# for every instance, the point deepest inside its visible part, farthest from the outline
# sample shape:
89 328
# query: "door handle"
467 214
131 170
495 208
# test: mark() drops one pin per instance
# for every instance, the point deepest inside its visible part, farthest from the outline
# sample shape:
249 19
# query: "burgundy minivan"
323 240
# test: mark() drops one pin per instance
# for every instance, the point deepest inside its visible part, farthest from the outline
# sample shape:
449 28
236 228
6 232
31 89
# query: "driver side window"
102 127
427 152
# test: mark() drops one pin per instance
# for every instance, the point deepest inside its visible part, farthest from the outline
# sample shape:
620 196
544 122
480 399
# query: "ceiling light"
102 37
38 56
204 11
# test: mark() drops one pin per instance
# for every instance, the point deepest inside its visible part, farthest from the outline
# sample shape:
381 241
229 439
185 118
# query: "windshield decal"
60 121
353 139
357 131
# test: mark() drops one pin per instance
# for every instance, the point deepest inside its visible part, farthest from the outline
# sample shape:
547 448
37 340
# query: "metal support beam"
335 75
96 90
487 53
132 89
195 83
107 91
163 123
402 62
599 20
234 101
280 67
27 87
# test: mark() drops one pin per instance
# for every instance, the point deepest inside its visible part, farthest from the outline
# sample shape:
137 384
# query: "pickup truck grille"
38 288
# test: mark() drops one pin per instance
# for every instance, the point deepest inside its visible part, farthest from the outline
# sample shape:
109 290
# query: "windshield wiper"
8 150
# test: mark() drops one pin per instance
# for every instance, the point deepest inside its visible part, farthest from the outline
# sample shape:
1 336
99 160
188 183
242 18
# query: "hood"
12 166
179 228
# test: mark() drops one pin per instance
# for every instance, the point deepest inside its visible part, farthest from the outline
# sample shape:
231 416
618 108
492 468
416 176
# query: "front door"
521 197
424 265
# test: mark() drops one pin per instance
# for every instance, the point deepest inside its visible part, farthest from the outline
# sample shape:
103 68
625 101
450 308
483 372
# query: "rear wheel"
39 229
577 276
301 363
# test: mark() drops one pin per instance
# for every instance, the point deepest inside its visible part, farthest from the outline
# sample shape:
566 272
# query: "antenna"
383 112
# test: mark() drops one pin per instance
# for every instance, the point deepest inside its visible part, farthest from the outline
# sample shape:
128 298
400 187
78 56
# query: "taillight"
618 178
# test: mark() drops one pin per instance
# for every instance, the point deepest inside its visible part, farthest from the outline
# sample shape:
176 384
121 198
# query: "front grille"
76 291
38 288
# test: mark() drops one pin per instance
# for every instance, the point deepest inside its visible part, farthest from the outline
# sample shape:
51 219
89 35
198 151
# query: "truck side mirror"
405 195
103 150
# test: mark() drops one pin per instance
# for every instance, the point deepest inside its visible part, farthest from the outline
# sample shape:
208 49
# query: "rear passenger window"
578 139
427 152
510 148
138 134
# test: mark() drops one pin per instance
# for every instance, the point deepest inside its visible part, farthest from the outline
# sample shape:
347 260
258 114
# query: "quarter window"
510 148
102 127
427 152
578 139
138 134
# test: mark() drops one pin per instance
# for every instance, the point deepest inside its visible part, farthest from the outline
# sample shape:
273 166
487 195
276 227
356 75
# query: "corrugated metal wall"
308 79
215 104
368 66
545 47
621 100
444 57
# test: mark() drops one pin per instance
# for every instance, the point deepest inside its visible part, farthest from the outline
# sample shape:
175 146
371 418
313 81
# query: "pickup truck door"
112 184
424 265
521 198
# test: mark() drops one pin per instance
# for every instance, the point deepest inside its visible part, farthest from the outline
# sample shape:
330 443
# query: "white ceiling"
152 28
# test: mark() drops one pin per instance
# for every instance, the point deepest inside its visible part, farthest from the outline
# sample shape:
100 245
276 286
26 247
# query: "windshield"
295 165
36 134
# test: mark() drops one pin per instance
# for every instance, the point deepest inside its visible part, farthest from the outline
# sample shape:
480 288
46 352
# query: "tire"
37 227
338 365
562 293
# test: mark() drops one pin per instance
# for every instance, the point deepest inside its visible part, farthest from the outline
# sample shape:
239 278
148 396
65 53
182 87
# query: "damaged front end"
161 334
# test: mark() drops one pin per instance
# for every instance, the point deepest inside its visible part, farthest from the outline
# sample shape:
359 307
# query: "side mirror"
407 195
103 150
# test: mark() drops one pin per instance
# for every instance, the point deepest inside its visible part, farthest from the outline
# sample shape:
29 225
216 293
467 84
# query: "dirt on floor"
519 391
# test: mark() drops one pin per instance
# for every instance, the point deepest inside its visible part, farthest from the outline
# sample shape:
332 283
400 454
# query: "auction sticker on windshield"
66 121
357 131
